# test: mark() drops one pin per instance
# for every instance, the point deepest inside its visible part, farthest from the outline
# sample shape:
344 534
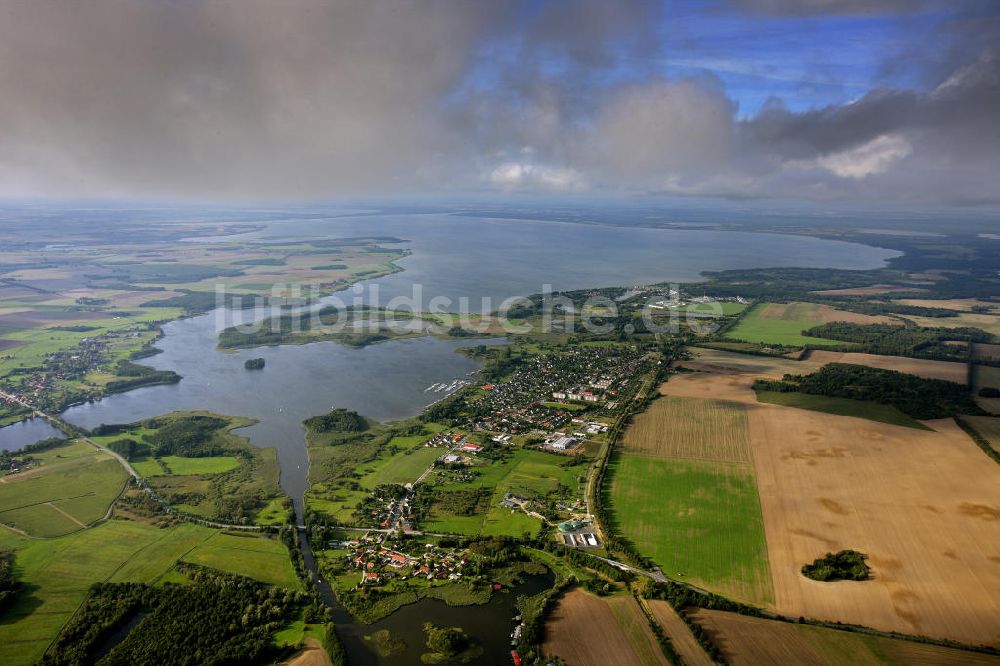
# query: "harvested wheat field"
924 506
823 314
950 371
986 351
751 641
689 428
312 654
957 304
988 322
681 638
988 428
584 630
726 362
712 386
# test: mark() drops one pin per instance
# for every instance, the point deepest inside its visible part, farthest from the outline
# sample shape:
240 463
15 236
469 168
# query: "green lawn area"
754 327
405 467
72 488
700 521
149 467
863 409
207 465
263 558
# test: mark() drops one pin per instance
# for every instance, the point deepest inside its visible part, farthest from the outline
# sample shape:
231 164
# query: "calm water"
384 382
26 432
452 257
457 256
489 626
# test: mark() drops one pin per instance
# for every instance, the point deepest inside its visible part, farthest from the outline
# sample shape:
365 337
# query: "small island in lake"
254 364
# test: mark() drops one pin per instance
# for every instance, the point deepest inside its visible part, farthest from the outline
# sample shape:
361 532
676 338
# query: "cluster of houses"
379 562
512 407
597 389
90 355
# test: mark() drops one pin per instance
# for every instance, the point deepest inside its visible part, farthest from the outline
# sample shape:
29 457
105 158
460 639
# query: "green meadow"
72 488
756 327
699 521
57 573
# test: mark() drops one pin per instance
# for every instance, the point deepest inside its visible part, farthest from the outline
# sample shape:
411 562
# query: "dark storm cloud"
258 98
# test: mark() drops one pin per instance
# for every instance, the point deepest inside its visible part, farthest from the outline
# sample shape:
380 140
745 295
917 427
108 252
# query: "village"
378 559
592 375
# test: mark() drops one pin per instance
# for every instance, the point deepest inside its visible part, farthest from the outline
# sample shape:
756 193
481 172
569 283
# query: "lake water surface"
452 257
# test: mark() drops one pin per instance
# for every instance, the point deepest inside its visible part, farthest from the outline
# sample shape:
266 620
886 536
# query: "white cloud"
872 158
515 175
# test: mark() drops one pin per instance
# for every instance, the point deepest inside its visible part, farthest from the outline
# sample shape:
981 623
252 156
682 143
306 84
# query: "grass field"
206 465
862 409
263 558
748 641
700 521
783 323
71 489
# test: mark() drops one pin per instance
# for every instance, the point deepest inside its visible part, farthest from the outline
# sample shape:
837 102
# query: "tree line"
915 396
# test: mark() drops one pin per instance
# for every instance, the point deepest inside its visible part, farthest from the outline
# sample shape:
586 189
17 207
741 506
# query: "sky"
891 102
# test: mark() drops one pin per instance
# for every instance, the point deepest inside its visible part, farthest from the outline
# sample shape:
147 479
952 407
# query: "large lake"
452 257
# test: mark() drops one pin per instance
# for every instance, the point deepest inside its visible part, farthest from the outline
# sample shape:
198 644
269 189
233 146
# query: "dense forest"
254 364
843 565
139 375
915 396
909 340
217 619
188 436
338 420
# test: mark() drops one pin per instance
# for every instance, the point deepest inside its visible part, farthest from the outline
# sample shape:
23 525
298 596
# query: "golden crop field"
950 371
748 641
924 505
681 638
817 312
690 428
585 630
